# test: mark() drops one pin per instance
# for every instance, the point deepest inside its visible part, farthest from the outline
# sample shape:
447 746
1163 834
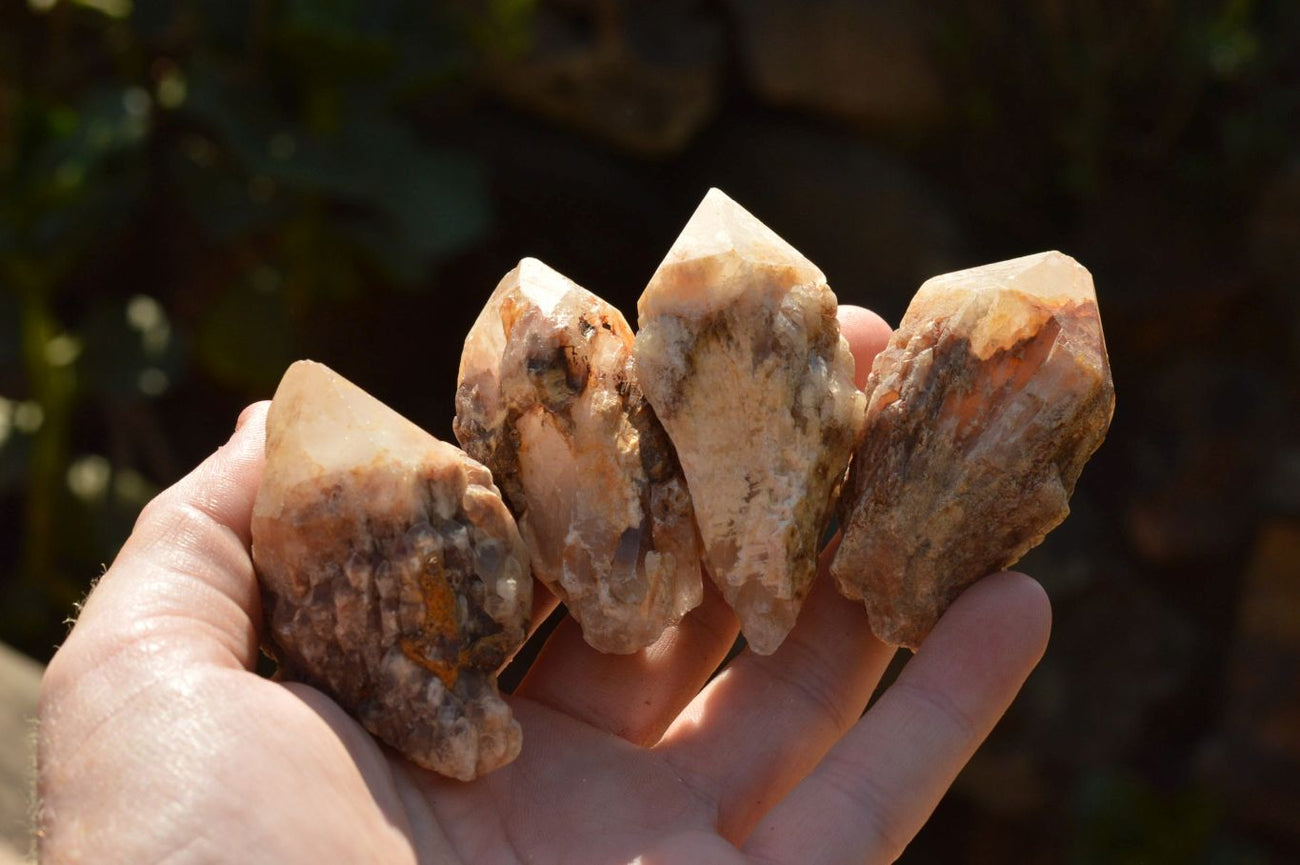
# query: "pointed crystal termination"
548 400
393 577
981 413
740 354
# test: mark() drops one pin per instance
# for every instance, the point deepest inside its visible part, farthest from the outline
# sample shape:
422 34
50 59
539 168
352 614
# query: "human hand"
158 742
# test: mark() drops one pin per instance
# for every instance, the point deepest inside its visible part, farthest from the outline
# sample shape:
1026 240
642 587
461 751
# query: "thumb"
184 581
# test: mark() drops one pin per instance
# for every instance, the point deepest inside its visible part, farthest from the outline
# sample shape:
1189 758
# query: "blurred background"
193 193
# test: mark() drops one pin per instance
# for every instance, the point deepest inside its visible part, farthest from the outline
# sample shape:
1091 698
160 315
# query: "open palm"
158 743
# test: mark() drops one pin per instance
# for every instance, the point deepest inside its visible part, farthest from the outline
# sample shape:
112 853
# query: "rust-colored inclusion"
1009 369
441 630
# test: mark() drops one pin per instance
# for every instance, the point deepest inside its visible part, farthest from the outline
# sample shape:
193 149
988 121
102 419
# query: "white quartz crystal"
548 399
740 354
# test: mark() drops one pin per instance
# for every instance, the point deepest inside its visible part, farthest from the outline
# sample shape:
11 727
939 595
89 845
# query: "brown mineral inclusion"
548 400
392 576
740 354
981 413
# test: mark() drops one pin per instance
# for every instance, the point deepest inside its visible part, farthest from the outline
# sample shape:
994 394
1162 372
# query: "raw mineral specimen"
548 400
393 577
740 354
981 413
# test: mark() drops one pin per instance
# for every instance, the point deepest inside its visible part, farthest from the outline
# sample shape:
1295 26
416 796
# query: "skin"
157 742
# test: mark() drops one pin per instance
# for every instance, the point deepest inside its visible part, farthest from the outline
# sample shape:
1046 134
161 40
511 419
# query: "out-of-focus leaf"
430 53
226 202
1125 821
226 23
245 341
15 451
268 144
153 18
324 41
503 28
108 121
425 203
100 518
388 250
105 207
88 176
406 203
337 17
8 238
10 330
130 349
319 263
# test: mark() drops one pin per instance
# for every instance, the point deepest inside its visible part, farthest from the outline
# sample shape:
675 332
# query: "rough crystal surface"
740 354
393 577
981 413
548 400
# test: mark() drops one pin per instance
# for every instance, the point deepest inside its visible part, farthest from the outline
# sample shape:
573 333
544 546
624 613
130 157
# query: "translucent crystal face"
1050 276
722 253
323 423
740 354
542 287
1019 297
530 286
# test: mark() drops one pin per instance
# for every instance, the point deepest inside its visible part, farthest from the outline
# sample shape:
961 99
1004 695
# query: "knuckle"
804 672
863 797
962 725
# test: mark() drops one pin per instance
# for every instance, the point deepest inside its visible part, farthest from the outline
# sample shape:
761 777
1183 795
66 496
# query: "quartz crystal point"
981 413
393 577
548 400
740 354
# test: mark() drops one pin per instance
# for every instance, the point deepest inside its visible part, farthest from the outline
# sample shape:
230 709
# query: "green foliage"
1079 98
184 185
1124 821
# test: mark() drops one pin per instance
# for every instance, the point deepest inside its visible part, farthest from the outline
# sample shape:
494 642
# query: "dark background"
195 193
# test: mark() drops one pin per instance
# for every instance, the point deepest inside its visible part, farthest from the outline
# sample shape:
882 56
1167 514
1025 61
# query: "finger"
544 603
520 659
867 334
878 785
766 721
180 595
184 581
633 696
638 696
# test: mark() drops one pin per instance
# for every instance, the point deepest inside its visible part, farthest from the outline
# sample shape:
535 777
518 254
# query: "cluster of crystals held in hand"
396 579
740 356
